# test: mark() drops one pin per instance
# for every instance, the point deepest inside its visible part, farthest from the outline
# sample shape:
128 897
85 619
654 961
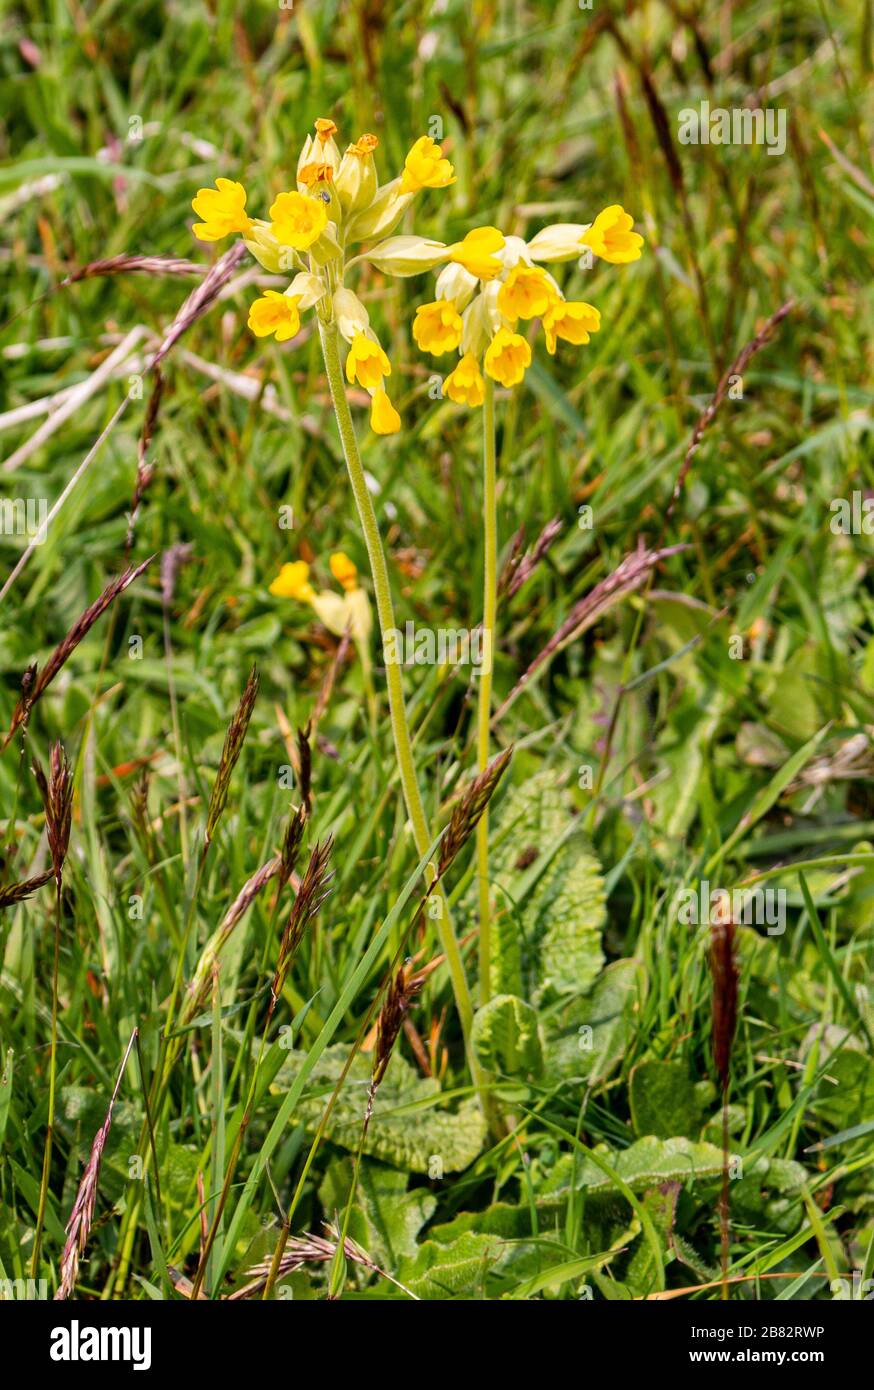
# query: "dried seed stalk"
82 1215
80 629
314 888
468 810
233 746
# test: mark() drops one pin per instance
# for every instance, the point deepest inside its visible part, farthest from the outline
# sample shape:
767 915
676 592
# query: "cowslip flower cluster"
337 203
479 304
487 284
338 612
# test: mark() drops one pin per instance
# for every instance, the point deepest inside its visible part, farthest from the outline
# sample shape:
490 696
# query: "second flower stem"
484 707
400 728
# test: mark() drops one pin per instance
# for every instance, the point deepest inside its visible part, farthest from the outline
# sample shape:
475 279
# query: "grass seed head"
233 747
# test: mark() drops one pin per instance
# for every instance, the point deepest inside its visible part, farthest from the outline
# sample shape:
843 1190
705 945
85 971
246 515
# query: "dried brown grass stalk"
17 892
200 299
233 747
57 795
314 888
80 629
312 1249
519 568
197 992
145 470
469 808
125 265
629 574
82 1215
398 1000
737 368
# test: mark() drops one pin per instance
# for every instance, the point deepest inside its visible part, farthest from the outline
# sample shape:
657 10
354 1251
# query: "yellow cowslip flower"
296 220
507 357
476 252
526 293
437 327
425 167
309 235
292 581
366 363
572 321
493 282
384 419
338 612
223 210
610 236
465 385
343 570
274 313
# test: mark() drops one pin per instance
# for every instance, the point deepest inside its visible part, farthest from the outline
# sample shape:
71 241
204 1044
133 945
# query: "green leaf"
506 1038
548 935
560 1273
406 1129
663 1100
5 1092
448 1271
587 1037
643 1164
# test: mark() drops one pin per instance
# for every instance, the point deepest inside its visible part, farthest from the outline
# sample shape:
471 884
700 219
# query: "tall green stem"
484 708
400 728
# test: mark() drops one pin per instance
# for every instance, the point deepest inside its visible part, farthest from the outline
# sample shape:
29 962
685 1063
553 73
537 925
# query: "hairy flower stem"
400 728
484 707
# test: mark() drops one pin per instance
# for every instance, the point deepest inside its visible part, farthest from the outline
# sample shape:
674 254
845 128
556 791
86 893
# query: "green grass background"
549 112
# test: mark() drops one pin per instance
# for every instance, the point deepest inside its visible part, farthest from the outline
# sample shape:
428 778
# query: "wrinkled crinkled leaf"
546 937
643 1164
506 1038
587 1037
449 1271
664 1100
409 1128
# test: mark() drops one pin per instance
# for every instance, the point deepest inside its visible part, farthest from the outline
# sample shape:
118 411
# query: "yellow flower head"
292 581
437 327
344 570
223 210
571 320
274 313
507 356
610 236
465 385
476 252
425 167
325 128
526 293
366 363
384 419
297 221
